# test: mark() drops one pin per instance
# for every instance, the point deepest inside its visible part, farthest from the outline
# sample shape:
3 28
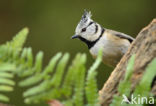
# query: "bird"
113 44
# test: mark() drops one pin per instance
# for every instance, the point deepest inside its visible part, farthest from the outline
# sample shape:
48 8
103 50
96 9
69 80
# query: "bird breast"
113 48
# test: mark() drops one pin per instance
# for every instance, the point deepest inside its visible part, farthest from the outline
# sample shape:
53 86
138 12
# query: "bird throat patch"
90 44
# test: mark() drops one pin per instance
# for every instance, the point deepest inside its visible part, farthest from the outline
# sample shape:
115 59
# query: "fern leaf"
39 59
7 67
69 78
19 39
31 80
125 85
50 67
36 89
129 68
7 81
6 75
68 82
29 57
20 69
6 88
4 98
56 80
51 93
144 86
78 96
91 84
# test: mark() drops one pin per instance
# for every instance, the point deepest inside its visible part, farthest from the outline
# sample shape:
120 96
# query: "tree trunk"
144 46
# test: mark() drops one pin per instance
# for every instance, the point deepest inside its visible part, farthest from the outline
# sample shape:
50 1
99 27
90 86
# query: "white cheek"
93 35
92 30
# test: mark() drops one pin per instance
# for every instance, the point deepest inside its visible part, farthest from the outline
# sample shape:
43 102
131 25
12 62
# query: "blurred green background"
53 22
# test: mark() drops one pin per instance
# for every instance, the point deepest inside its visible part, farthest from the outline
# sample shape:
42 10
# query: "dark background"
53 22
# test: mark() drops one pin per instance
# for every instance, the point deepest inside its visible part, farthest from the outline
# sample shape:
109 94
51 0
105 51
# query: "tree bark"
144 46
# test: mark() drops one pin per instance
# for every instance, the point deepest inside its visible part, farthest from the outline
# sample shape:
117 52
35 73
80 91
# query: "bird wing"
121 35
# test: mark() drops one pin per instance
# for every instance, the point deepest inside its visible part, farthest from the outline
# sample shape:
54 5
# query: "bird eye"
83 30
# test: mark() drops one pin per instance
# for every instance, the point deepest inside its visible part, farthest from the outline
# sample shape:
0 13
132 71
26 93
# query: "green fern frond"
4 98
144 86
19 39
35 78
91 84
125 85
6 82
78 97
142 89
71 77
6 75
8 55
57 77
7 67
51 82
50 88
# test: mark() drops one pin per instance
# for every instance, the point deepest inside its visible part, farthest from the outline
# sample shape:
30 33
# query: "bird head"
86 29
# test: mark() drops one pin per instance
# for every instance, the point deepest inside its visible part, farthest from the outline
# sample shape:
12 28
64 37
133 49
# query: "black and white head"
87 30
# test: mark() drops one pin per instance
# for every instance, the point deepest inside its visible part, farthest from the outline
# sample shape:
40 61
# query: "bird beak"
75 36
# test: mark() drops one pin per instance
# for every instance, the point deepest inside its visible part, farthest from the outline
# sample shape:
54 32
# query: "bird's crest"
87 15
